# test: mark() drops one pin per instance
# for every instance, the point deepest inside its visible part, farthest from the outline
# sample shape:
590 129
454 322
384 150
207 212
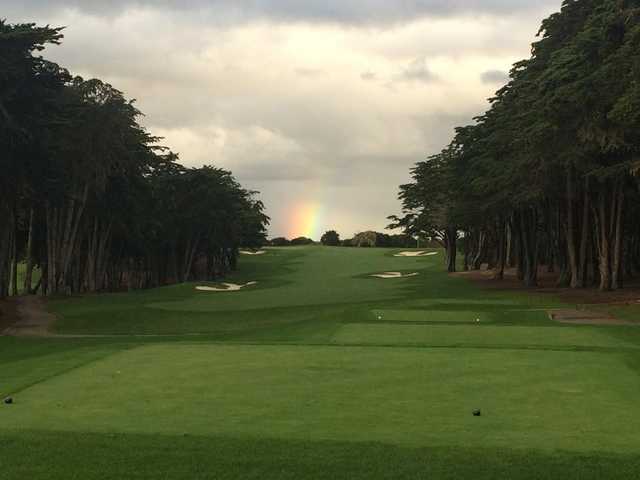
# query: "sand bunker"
395 275
226 287
416 254
247 252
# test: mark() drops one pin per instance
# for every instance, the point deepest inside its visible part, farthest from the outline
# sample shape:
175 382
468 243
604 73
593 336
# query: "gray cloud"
494 77
417 71
295 106
334 11
309 72
369 76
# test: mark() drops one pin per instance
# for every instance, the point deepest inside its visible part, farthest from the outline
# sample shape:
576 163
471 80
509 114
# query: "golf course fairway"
319 370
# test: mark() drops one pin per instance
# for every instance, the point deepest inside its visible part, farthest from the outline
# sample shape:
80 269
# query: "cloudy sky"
322 105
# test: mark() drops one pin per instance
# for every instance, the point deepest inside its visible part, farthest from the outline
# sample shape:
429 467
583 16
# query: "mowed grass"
399 396
324 286
321 371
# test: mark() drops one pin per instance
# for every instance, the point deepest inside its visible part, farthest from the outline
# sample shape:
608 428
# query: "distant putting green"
321 371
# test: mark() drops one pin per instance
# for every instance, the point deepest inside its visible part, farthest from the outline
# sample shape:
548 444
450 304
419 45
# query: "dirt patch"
547 284
582 298
488 279
584 317
630 295
8 314
31 318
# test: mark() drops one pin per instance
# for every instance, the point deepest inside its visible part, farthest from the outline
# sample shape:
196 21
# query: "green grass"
480 336
321 371
630 313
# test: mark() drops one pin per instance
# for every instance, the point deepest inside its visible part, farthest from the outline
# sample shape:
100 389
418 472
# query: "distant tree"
301 241
429 204
280 242
402 241
365 239
331 239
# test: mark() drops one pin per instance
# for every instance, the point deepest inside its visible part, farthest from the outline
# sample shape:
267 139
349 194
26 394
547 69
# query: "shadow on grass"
52 455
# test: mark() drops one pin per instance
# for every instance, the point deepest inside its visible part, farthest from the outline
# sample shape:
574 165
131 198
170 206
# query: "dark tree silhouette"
331 239
549 175
90 199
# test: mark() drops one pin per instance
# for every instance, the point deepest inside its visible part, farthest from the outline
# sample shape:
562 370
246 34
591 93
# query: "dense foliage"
331 239
371 239
89 198
301 241
548 176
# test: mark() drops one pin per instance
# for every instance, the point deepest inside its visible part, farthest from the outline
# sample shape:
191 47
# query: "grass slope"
321 371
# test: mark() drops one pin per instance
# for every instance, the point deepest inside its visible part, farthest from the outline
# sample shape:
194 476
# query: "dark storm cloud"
334 11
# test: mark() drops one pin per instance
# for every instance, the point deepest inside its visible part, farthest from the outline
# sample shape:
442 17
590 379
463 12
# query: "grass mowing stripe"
461 335
27 361
46 455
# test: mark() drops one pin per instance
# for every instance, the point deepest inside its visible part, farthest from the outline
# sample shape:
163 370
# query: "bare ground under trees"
590 303
25 316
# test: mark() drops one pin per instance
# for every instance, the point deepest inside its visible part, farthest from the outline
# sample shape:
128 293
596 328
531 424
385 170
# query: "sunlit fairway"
321 371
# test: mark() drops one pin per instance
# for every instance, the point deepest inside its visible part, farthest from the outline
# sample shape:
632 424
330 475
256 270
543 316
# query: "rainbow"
305 220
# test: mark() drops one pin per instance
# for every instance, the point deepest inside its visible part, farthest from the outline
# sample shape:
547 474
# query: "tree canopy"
549 174
331 239
90 198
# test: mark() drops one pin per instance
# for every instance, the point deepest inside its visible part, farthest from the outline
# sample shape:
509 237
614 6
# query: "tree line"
331 238
89 199
548 176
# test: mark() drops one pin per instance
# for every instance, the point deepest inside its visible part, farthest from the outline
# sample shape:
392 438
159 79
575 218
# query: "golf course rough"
318 371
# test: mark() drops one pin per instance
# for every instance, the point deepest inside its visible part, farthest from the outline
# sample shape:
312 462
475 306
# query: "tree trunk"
7 234
28 277
5 239
62 229
529 236
502 250
14 265
477 261
509 246
189 257
584 240
571 231
466 252
452 248
616 268
604 254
